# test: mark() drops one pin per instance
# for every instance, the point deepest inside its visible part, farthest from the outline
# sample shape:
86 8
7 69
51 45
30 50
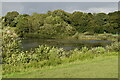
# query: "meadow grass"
99 67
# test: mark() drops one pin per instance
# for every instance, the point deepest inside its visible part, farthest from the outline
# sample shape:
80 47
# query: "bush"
74 57
42 52
114 47
84 49
10 44
54 58
97 50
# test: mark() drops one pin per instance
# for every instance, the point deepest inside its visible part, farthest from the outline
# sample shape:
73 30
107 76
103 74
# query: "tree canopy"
61 23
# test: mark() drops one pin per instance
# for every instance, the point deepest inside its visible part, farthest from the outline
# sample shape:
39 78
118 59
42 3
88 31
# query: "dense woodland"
60 23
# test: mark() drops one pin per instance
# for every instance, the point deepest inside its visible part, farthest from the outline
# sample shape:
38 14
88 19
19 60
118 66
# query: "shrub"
97 50
74 57
113 47
42 52
10 44
84 49
54 57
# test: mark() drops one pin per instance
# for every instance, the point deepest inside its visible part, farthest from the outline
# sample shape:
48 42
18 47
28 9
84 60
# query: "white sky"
60 0
42 6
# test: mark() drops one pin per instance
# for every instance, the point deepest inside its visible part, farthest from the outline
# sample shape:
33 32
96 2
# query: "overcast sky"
43 7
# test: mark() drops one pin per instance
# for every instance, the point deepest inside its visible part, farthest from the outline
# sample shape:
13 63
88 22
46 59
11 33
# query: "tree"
36 21
76 18
62 14
22 25
114 19
9 18
53 20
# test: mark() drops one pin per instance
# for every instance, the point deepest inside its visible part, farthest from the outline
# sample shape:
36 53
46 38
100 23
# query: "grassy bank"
104 36
100 67
79 36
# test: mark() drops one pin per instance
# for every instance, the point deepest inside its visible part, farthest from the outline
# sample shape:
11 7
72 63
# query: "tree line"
61 23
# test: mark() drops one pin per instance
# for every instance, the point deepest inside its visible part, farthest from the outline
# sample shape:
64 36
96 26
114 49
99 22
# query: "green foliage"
10 42
84 49
9 18
60 23
22 25
53 20
76 18
51 56
36 21
55 24
56 30
98 50
54 58
62 14
42 52
114 47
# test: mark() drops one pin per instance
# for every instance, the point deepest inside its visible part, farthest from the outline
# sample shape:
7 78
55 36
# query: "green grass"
100 67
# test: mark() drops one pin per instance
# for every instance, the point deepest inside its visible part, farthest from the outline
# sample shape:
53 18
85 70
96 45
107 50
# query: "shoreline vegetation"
76 36
55 24
82 36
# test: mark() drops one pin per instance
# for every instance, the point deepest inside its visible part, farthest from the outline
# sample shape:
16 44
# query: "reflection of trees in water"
98 44
65 44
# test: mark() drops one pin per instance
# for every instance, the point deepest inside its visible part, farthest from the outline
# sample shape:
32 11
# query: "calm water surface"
27 44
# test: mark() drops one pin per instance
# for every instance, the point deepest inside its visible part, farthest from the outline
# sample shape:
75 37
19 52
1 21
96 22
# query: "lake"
29 43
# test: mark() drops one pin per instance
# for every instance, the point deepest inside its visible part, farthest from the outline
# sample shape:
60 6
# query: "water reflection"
27 44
